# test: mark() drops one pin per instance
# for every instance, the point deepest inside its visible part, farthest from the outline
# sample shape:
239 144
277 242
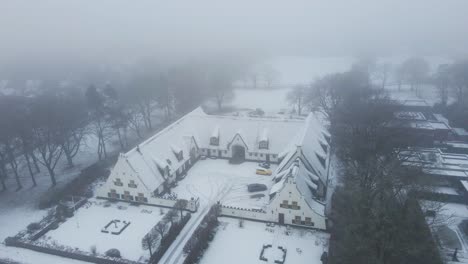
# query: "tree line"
374 218
40 130
449 80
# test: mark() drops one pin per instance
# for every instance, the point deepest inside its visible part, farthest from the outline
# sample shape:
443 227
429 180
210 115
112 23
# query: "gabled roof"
197 127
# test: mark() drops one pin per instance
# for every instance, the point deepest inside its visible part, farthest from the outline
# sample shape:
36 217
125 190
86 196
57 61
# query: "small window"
132 184
263 145
261 155
118 182
274 156
255 154
214 141
169 161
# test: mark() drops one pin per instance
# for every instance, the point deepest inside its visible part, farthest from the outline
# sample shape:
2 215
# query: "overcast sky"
44 31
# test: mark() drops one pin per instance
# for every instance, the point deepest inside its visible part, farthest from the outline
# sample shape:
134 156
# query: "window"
169 161
284 204
113 194
274 156
296 220
295 206
263 144
255 154
127 196
308 221
132 184
118 182
225 152
141 198
261 155
214 141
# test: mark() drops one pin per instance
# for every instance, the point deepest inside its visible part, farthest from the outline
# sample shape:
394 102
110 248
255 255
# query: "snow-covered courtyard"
83 230
217 180
234 244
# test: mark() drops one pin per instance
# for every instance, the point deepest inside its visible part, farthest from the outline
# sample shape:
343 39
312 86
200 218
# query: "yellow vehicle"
262 171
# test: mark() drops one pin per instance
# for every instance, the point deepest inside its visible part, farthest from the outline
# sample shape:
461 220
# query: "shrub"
33 227
113 253
93 250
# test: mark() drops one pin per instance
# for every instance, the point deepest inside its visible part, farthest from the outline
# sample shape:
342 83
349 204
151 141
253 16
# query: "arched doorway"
238 154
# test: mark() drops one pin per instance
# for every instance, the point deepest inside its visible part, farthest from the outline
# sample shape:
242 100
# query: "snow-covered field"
83 230
217 180
233 244
270 101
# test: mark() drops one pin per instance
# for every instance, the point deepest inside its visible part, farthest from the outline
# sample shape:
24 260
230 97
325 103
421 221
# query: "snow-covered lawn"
233 244
217 180
269 100
83 230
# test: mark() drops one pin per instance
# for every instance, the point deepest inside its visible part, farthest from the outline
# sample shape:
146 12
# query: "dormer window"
178 153
322 160
263 144
214 139
324 147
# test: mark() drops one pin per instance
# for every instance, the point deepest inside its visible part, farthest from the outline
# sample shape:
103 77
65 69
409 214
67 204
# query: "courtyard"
105 225
235 244
218 180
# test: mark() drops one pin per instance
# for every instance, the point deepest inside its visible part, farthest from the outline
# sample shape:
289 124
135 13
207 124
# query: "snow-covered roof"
196 128
264 135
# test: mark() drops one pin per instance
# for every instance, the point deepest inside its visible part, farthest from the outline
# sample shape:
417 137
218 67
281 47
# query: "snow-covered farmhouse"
146 173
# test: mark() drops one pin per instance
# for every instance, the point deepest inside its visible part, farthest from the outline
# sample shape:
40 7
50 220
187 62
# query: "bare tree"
459 76
149 241
416 71
46 131
171 216
181 205
100 124
220 86
297 97
161 227
441 81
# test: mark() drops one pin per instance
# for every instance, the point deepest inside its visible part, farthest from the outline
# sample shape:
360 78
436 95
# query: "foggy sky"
67 31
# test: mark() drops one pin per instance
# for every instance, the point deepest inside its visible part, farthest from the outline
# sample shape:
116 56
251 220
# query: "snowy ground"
83 230
210 179
233 244
213 181
446 226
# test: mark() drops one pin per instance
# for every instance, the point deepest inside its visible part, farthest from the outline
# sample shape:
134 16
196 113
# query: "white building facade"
300 147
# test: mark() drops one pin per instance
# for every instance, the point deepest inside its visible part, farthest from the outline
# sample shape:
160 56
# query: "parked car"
265 165
256 187
213 157
203 157
263 171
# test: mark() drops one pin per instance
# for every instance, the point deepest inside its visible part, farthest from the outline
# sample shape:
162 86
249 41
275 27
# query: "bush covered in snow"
113 253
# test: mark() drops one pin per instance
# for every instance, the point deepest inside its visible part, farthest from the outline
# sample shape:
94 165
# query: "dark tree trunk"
15 171
120 139
36 164
52 175
28 162
69 158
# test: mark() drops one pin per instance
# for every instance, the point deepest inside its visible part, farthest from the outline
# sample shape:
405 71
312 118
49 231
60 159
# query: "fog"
55 32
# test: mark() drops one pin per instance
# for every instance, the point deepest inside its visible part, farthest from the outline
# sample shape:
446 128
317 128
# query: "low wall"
192 205
83 256
253 214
